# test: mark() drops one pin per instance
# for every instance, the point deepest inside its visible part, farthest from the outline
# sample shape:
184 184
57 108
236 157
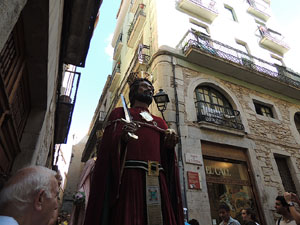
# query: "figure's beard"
145 97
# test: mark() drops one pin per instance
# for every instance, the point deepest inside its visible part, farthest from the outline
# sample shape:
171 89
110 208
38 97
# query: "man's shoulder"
7 220
234 221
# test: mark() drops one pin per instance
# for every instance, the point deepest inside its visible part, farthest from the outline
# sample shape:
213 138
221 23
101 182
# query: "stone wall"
73 176
9 13
268 136
263 136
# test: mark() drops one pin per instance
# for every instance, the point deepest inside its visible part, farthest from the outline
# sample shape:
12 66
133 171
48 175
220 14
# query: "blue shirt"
7 220
231 221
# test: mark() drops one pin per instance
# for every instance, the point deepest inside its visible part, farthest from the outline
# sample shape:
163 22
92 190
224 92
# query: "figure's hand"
129 127
171 138
287 197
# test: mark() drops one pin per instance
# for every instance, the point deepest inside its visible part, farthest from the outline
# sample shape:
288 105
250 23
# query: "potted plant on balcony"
248 63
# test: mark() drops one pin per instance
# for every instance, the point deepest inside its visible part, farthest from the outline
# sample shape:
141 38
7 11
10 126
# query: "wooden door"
14 97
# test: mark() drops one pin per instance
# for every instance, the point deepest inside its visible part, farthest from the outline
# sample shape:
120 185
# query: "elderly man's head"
30 196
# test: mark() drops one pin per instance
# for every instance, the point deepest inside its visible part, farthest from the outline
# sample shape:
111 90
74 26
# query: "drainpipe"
180 158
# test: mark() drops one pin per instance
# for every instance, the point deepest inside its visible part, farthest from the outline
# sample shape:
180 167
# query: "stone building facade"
233 99
38 42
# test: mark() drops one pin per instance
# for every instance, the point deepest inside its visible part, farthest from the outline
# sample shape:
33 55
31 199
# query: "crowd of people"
136 156
30 197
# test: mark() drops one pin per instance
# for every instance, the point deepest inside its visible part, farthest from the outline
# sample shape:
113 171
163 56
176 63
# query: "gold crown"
137 75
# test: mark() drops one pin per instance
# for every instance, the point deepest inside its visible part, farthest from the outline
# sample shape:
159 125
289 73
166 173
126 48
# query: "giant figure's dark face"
144 92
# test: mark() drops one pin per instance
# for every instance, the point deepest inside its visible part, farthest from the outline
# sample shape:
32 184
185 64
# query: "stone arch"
295 123
228 94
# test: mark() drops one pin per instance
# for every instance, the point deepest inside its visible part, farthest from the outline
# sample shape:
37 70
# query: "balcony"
136 26
136 75
115 76
202 8
260 10
118 47
272 40
219 115
214 55
134 5
94 137
141 58
65 107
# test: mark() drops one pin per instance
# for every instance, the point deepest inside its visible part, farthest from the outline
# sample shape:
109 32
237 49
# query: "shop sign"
225 172
193 159
193 180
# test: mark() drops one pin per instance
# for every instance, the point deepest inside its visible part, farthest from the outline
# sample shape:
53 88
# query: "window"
230 14
260 23
215 99
277 60
285 174
242 46
263 110
196 26
275 34
297 121
246 59
264 31
213 107
280 66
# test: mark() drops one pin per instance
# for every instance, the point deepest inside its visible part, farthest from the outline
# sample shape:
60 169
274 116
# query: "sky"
99 60
98 66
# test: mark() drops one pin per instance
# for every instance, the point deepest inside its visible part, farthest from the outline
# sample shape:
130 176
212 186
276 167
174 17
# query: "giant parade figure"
135 180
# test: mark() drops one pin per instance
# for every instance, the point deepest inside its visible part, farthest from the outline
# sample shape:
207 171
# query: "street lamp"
161 99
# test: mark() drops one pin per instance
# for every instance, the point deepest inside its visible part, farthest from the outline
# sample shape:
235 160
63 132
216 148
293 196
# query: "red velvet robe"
118 198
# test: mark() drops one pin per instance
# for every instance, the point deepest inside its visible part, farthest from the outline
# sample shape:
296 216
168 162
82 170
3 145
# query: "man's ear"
38 200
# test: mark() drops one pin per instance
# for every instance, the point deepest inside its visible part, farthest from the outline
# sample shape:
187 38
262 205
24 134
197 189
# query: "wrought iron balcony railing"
262 9
143 53
139 11
278 39
117 69
205 9
210 5
259 6
220 115
206 45
118 42
65 106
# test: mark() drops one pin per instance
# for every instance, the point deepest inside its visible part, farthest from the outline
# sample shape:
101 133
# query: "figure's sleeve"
106 175
116 149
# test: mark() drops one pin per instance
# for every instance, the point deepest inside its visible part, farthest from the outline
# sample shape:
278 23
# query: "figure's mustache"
148 92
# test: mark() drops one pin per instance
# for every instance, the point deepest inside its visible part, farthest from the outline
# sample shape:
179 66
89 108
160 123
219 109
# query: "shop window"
297 121
285 174
230 13
228 182
263 110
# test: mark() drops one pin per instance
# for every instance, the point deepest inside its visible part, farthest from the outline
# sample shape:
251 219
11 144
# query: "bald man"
29 197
